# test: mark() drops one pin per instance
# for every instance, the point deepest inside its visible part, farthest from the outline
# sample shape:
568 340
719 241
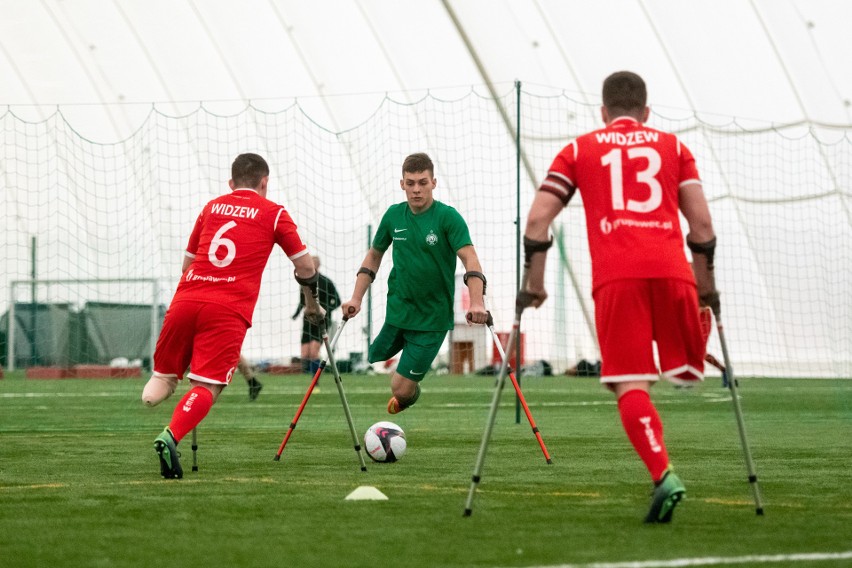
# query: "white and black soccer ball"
385 442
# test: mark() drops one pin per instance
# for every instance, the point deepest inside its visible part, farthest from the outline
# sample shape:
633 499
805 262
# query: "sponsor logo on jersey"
192 277
431 238
395 231
608 226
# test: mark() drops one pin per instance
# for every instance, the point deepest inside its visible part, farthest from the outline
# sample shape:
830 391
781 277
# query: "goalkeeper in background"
329 299
211 310
427 236
634 180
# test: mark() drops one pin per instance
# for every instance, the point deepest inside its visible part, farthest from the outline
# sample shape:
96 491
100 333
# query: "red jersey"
629 176
230 245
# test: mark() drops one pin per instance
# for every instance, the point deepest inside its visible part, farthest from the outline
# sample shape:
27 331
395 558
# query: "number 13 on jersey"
647 177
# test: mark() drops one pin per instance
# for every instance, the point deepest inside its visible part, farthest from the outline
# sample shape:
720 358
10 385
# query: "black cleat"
255 387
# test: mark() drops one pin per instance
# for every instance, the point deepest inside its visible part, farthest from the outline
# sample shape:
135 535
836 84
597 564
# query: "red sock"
645 430
190 411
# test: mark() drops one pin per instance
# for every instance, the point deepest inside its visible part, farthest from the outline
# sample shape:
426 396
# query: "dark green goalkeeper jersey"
421 285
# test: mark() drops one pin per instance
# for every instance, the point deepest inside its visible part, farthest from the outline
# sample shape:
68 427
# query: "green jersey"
422 285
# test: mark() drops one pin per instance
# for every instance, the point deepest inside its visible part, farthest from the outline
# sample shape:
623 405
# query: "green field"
80 484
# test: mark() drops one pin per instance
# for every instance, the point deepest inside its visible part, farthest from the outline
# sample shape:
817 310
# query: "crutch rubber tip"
467 513
276 458
549 461
363 468
759 512
195 468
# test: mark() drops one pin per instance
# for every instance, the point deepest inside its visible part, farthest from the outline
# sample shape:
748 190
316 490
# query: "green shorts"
419 349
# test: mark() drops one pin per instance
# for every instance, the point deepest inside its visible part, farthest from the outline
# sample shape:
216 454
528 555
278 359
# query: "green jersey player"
426 237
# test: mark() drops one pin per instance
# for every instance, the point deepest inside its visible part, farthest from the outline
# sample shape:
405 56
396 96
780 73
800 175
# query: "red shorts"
206 338
631 315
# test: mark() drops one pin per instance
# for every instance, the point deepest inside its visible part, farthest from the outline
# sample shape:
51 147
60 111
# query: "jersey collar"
623 121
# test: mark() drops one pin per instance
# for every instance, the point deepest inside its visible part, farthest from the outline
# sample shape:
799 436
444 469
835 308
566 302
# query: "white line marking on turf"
713 561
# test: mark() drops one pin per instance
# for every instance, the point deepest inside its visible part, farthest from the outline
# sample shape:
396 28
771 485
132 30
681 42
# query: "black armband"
532 246
310 282
476 274
708 249
368 272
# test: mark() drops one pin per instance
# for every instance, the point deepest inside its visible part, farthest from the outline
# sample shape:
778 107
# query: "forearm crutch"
732 385
309 392
495 401
490 324
716 363
355 440
705 317
195 449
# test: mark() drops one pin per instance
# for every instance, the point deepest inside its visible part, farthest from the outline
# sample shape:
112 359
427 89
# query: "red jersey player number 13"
629 176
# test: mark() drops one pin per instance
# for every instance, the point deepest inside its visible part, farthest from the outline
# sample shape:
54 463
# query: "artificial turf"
80 484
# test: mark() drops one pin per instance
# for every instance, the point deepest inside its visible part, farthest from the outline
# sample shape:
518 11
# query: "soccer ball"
385 442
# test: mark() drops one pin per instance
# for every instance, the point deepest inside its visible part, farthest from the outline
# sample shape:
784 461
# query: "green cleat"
166 449
255 387
667 493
